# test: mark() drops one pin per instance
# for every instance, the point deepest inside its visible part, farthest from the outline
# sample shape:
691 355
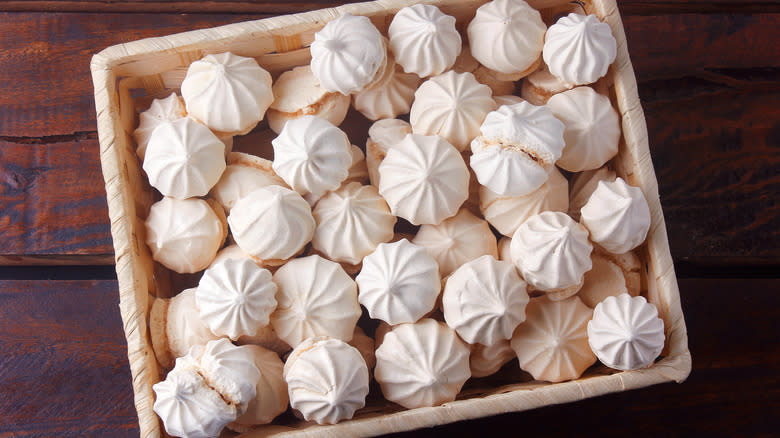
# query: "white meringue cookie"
540 85
382 135
626 332
487 359
579 48
185 234
347 54
228 369
315 298
583 184
451 105
424 40
351 222
617 216
423 179
484 300
389 98
552 343
228 93
358 170
422 364
160 111
184 159
552 252
399 282
507 36
272 223
312 155
271 399
243 174
507 213
457 240
327 380
518 148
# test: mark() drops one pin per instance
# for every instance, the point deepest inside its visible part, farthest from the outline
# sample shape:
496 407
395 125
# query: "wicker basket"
126 76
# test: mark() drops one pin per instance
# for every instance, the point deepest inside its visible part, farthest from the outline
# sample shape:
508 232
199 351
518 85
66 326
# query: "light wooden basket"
154 67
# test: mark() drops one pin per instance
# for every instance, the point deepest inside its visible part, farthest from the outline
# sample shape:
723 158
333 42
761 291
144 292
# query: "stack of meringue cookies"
314 232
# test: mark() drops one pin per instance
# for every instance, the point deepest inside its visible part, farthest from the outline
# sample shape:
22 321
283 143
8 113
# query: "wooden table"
709 80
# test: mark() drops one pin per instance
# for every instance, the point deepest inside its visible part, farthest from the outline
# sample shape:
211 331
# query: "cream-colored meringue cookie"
327 380
347 54
484 300
617 216
422 364
552 253
507 213
271 399
228 369
312 155
631 265
626 332
487 359
540 85
236 298
365 345
272 224
552 343
579 48
423 179
351 222
390 97
465 63
507 36
399 282
358 170
504 249
184 159
298 93
228 93
592 128
604 280
507 100
243 174
160 111
266 337
457 240
451 105
424 40
382 135
583 184
185 234
518 148
315 298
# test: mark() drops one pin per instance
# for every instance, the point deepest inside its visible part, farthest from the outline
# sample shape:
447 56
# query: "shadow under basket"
127 76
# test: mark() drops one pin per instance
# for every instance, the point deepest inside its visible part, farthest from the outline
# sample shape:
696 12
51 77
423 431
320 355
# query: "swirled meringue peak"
424 179
228 93
626 332
451 105
422 364
552 252
382 135
583 184
399 282
507 36
312 155
518 148
327 380
484 300
487 359
243 174
579 48
161 110
424 40
617 216
347 54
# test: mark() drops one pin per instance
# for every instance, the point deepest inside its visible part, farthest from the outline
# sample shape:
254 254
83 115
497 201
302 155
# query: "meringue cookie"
298 93
617 216
243 174
389 98
540 85
327 380
184 159
504 249
272 224
484 300
351 222
552 252
315 298
451 105
507 36
347 54
487 359
271 399
626 332
423 179
579 48
160 111
312 155
358 170
266 337
422 364
399 282
457 240
605 279
507 213
231 252
185 234
518 148
507 100
465 63
583 184
424 40
552 343
382 135
228 93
